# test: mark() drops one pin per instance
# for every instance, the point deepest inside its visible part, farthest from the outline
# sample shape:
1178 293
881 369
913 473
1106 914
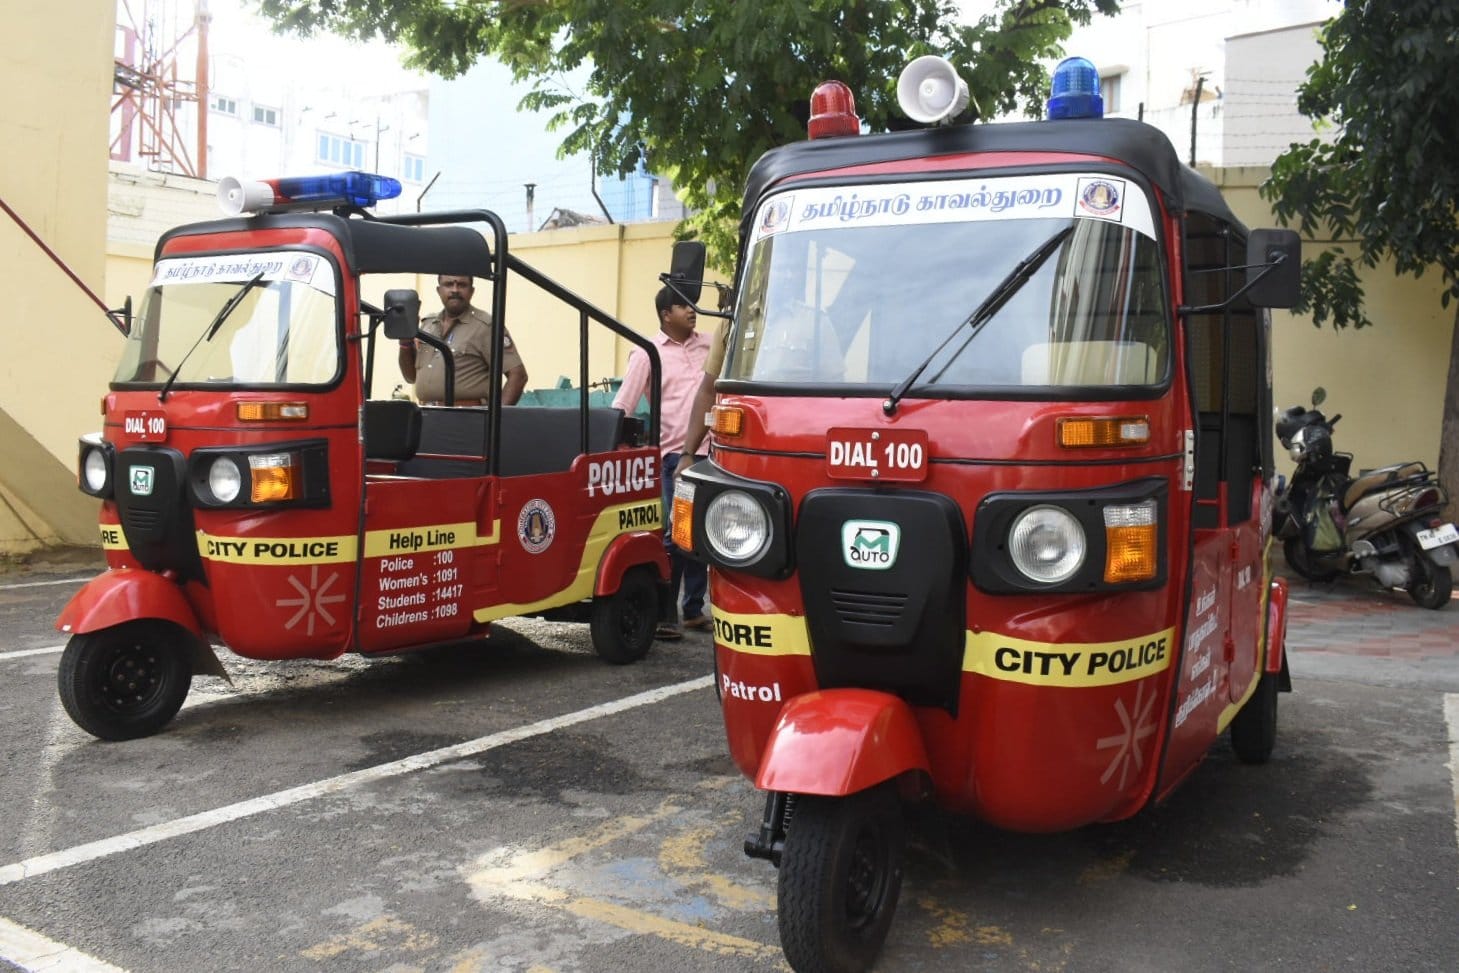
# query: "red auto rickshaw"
988 500
255 495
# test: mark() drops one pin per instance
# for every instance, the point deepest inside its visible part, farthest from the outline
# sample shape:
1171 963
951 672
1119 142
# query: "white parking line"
91 851
42 584
22 653
1451 717
33 952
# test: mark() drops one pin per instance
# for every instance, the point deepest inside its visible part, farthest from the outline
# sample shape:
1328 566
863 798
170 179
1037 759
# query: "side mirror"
122 316
402 314
1274 271
686 270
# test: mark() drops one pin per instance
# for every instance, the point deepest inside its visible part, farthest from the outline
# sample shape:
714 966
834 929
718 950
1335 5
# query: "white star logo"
312 600
1131 739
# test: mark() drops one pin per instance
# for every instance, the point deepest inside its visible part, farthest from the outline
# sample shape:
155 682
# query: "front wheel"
840 875
1301 560
622 624
127 681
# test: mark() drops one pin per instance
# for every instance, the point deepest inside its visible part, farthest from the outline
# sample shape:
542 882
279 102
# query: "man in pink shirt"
682 353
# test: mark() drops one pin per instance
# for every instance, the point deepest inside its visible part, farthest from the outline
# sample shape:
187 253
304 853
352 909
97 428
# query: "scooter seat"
1383 476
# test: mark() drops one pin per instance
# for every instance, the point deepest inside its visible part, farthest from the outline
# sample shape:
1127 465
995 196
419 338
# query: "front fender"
126 595
628 551
836 742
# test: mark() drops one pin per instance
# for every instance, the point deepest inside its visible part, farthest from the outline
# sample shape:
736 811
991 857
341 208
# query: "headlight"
736 527
94 471
224 479
1047 544
1298 449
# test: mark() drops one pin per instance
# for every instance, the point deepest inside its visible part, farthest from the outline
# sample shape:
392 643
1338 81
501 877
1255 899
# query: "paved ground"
497 812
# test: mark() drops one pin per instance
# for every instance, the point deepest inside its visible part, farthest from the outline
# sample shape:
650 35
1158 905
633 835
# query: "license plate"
145 427
896 455
1438 536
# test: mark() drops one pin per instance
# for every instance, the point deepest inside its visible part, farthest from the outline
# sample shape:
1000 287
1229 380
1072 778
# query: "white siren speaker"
236 196
930 91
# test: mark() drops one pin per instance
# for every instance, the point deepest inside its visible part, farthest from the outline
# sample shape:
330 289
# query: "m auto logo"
871 545
142 481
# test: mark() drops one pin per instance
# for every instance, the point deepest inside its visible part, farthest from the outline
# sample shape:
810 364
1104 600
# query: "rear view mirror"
686 270
1274 268
122 316
402 314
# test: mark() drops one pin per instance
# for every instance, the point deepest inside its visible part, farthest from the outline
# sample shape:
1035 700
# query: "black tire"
1432 584
840 876
127 681
622 624
1254 730
1299 560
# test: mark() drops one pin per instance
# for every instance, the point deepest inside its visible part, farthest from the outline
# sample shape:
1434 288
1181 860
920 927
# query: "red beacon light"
833 112
304 192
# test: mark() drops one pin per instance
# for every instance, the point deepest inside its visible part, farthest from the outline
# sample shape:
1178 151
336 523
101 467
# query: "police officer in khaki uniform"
467 331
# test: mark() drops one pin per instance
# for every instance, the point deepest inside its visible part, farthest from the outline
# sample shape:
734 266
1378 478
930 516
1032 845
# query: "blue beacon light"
305 192
1075 91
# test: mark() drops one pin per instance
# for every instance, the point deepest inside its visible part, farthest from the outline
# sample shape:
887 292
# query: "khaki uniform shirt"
470 342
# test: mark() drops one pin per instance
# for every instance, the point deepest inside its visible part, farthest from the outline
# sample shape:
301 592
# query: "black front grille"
886 614
157 518
138 521
868 607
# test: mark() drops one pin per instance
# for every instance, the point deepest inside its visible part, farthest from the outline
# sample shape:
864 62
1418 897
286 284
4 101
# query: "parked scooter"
1384 523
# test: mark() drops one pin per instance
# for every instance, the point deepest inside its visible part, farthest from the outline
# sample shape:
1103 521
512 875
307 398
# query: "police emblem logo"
775 215
536 526
1100 197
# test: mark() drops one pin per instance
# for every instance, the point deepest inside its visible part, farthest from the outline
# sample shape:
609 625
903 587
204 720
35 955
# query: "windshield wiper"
984 312
228 308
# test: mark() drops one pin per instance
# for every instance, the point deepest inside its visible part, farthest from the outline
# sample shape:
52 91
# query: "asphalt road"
530 808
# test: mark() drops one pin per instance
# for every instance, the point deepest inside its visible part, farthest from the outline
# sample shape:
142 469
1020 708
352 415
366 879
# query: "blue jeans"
692 575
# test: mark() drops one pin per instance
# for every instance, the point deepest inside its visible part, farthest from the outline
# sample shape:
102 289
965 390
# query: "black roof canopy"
1137 146
372 246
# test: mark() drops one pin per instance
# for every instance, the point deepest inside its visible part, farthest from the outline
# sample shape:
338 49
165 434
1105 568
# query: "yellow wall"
53 164
1387 381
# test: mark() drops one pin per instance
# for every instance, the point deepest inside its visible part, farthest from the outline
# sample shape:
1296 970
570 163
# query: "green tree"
1387 179
699 89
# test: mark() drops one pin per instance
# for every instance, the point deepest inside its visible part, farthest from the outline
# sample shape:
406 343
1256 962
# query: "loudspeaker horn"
236 196
930 91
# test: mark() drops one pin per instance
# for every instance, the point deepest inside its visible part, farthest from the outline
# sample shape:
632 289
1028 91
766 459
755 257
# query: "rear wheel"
622 624
1432 584
125 682
840 876
1254 730
1301 561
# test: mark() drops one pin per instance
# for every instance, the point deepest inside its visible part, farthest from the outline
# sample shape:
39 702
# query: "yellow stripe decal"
431 537
112 539
762 634
1068 663
611 521
277 550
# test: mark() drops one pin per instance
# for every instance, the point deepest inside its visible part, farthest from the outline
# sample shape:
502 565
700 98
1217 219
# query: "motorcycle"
1384 523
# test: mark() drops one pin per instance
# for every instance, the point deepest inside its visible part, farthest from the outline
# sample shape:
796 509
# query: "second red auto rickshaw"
254 494
988 500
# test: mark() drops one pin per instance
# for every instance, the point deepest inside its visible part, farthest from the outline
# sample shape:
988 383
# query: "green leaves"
1387 181
704 87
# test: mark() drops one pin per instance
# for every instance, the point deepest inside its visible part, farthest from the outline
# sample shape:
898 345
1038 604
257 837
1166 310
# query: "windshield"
283 331
858 287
